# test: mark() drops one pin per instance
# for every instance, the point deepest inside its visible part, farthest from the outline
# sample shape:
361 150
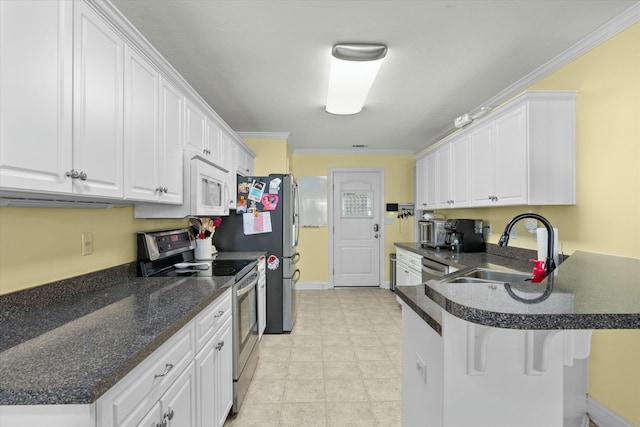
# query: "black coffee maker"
464 235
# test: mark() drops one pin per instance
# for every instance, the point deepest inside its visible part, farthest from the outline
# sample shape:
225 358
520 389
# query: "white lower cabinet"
185 382
177 406
214 378
476 375
422 372
408 268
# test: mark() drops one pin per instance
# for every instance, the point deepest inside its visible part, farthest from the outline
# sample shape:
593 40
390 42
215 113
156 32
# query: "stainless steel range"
171 254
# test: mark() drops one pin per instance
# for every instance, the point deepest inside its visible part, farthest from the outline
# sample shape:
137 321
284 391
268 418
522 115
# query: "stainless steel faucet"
550 264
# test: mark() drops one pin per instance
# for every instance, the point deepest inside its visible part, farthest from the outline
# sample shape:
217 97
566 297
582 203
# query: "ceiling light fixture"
353 69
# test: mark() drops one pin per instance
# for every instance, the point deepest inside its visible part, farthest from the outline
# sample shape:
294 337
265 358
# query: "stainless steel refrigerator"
266 219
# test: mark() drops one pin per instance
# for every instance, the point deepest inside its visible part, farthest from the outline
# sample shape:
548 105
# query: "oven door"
209 192
245 320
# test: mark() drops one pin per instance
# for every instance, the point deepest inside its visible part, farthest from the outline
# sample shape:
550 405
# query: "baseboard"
325 285
603 416
311 285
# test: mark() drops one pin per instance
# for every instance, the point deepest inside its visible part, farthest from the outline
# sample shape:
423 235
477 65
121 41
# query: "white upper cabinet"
196 128
426 187
243 160
521 154
171 142
204 135
89 110
36 49
98 105
153 133
459 173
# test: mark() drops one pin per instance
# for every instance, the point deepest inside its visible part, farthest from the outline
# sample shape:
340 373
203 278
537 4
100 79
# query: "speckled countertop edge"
584 276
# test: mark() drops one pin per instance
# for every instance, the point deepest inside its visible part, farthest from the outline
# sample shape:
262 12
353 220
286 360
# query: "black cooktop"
223 267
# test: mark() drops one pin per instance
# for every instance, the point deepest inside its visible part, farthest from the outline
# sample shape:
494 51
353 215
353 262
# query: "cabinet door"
510 167
482 166
153 417
460 172
179 402
141 128
36 48
171 142
421 183
430 181
224 372
443 182
195 132
205 384
98 104
213 144
422 372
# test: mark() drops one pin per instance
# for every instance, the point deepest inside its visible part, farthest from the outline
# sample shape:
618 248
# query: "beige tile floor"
340 366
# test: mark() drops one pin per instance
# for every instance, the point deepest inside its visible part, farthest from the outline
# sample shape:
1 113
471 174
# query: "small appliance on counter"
432 233
464 235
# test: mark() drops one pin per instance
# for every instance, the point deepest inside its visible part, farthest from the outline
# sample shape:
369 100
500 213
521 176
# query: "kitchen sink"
483 275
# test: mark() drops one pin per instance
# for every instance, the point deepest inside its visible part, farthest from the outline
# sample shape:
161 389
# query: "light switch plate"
87 243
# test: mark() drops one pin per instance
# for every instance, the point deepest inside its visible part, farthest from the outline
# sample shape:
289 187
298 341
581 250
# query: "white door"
357 227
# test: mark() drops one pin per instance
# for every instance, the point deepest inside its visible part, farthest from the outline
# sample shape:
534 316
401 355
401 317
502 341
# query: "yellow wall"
273 155
39 246
398 187
605 219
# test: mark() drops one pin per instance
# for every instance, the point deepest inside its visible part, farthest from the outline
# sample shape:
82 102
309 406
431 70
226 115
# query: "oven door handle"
248 288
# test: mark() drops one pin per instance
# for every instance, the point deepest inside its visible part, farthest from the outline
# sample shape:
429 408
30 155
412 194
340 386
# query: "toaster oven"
432 233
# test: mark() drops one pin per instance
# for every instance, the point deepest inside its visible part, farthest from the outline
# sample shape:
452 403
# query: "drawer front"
402 256
415 263
211 318
132 397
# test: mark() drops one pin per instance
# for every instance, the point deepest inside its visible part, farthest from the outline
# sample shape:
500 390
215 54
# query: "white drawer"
132 397
211 318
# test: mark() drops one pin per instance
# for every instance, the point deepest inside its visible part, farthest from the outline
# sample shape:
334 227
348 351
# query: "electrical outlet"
87 243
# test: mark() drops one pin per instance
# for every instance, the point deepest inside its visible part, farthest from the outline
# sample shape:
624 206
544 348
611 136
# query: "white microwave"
205 188
209 189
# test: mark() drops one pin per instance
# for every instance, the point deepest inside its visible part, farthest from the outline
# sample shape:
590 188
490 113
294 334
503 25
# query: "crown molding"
363 151
264 135
600 35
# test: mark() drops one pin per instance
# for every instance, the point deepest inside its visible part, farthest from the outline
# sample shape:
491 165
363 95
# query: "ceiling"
263 65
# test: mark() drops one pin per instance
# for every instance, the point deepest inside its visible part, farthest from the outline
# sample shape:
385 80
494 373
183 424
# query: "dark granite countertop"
74 348
588 291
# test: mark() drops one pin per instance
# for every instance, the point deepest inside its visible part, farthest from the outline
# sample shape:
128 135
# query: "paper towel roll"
542 244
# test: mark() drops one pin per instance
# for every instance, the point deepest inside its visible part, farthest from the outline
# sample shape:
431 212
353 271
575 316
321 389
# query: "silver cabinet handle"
220 313
74 174
169 414
220 345
168 367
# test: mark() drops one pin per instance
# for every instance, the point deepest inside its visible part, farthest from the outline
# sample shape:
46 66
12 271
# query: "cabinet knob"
220 313
220 345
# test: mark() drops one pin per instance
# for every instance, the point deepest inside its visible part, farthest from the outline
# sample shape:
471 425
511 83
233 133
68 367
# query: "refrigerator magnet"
269 201
256 190
273 262
274 185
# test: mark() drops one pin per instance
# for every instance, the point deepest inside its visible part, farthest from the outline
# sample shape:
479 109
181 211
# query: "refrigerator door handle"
295 277
296 208
295 258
